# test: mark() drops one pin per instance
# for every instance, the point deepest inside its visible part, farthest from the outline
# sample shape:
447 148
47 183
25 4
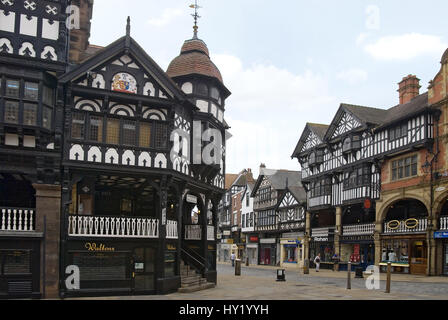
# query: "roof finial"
196 16
128 27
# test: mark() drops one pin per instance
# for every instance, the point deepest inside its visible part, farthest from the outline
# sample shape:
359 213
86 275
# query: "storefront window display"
290 253
326 251
395 251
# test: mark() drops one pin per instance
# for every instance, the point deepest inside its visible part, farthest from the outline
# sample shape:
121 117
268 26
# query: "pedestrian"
317 262
232 257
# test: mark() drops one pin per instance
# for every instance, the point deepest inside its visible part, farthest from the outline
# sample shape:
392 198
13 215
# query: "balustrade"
171 229
444 223
15 219
358 229
118 227
406 226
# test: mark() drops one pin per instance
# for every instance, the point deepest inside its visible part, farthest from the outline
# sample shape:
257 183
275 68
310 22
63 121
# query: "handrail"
193 261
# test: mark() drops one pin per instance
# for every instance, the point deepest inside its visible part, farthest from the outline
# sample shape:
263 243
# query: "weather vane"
196 16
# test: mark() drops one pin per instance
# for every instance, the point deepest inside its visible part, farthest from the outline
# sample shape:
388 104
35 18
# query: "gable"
345 123
123 73
311 141
288 201
124 66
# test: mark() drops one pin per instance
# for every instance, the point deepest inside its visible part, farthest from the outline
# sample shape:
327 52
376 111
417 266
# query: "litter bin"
237 267
358 272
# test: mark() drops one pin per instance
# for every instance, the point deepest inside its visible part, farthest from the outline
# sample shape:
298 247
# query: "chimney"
262 165
409 88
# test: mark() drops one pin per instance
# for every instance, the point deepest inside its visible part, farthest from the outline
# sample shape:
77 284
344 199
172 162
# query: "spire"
196 16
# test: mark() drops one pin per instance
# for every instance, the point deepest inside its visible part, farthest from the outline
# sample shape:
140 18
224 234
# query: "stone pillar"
48 204
306 246
338 232
377 242
161 215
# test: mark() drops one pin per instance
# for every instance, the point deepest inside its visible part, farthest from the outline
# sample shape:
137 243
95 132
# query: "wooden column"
48 204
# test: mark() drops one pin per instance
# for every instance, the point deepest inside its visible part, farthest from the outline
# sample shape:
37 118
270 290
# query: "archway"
404 241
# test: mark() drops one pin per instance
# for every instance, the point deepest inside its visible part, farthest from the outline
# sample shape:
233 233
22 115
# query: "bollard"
247 261
306 268
237 267
389 270
358 272
349 270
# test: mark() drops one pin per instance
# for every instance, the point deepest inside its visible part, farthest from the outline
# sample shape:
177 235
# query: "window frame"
400 165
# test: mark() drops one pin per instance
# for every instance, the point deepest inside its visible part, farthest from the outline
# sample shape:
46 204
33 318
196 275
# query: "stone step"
204 286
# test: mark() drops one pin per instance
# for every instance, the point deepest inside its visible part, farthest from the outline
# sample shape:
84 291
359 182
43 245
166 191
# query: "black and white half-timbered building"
111 161
33 54
276 209
342 171
291 212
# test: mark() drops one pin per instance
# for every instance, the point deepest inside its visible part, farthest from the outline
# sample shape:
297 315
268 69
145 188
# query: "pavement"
259 283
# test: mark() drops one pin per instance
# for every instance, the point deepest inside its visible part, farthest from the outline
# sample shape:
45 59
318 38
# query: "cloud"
167 16
264 86
406 47
268 109
353 76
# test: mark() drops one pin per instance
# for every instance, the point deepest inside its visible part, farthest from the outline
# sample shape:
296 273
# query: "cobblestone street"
259 283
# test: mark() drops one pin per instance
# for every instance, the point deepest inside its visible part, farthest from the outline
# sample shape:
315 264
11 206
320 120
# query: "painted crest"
124 82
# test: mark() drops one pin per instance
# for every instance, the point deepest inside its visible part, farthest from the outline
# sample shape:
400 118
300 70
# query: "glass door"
143 269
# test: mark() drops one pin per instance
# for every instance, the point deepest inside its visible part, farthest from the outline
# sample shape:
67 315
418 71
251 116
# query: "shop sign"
241 247
440 189
229 241
170 247
411 223
320 239
253 239
192 199
92 246
268 240
211 247
440 235
226 233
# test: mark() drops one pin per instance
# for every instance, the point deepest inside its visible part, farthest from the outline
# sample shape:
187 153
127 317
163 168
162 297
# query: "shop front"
442 243
324 246
268 251
359 250
407 254
291 249
119 267
20 268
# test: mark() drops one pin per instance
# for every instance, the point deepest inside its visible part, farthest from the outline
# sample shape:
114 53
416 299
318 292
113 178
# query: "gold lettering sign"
92 246
393 225
170 247
411 223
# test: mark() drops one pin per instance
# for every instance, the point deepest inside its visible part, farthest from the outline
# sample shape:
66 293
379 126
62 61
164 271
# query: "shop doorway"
143 270
265 257
419 258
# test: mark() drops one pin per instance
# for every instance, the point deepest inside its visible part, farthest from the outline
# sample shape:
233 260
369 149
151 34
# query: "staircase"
191 280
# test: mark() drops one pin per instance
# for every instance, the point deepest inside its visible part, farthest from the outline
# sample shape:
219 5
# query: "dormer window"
351 144
316 158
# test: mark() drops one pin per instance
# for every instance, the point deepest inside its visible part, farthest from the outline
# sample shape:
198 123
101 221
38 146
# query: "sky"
289 62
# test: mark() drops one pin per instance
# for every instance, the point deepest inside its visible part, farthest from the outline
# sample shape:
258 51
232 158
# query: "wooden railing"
193 232
444 223
171 229
17 219
210 233
321 232
114 227
406 226
358 229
